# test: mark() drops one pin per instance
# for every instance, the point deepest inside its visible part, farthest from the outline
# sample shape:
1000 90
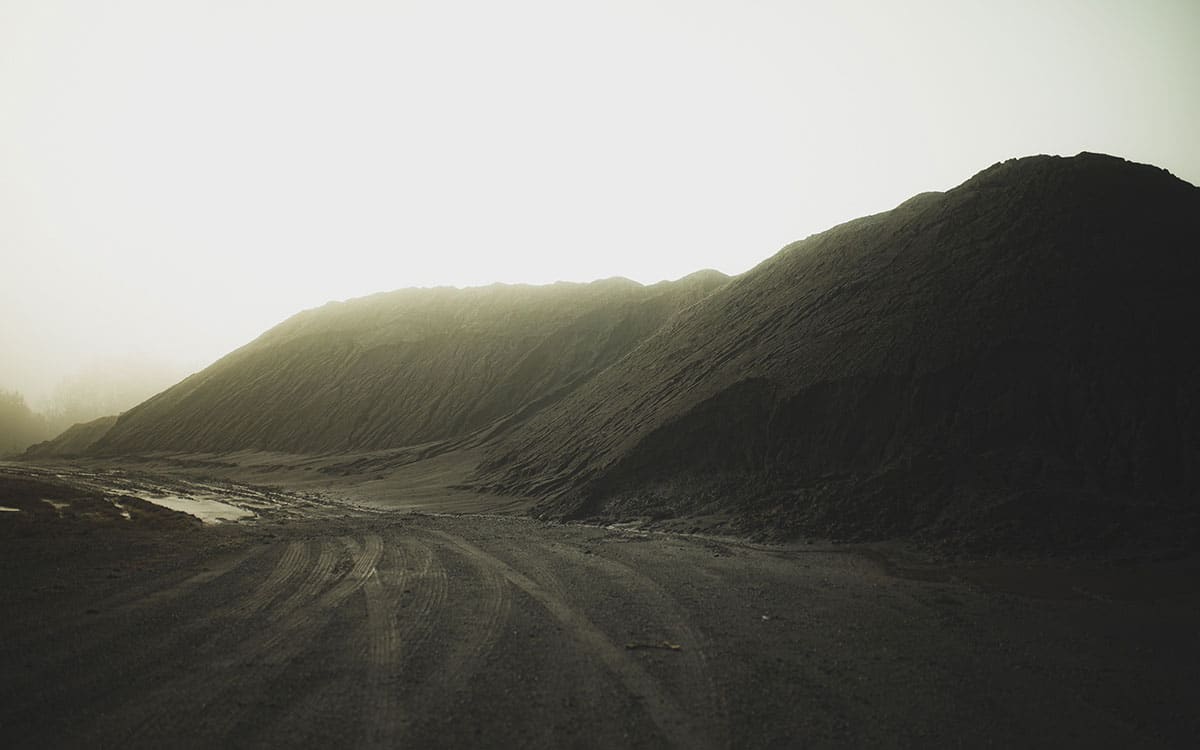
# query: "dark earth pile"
1012 362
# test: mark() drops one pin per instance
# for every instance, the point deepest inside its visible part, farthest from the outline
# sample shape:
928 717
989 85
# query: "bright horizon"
179 177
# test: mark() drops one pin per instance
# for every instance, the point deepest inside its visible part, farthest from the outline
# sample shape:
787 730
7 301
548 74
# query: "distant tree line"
101 390
20 426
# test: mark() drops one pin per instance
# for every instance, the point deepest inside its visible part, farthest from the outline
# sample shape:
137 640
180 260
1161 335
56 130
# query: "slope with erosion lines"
76 440
1011 362
404 368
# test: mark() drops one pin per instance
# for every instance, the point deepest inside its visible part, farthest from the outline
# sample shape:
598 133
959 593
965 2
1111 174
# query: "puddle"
247 497
119 507
206 509
6 509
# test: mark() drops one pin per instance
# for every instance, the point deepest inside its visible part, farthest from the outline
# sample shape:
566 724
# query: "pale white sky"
176 177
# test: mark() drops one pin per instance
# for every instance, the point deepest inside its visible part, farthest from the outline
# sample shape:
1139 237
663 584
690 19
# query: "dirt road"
322 623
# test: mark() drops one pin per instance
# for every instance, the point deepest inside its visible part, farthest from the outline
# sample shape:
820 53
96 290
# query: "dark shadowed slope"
1012 361
75 440
404 368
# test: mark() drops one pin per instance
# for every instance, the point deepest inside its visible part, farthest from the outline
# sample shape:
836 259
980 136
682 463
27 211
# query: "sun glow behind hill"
181 176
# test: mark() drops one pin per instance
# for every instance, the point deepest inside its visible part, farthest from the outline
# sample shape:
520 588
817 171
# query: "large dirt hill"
1014 361
405 368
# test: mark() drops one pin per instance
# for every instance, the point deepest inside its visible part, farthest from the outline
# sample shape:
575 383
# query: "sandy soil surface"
322 622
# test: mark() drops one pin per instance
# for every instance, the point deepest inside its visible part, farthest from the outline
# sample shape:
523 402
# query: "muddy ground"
317 621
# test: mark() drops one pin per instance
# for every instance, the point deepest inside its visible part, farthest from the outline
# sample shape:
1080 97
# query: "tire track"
216 569
695 652
384 650
430 587
676 725
294 557
164 708
312 584
492 607
410 615
364 565
291 626
269 656
403 597
576 672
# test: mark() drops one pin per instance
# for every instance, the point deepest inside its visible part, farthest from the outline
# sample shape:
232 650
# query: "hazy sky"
175 177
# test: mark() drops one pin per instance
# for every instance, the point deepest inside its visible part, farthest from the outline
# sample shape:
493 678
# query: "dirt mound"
405 368
1009 363
76 440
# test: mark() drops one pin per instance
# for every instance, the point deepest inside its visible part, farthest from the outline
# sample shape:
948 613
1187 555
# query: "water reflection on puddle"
120 508
206 509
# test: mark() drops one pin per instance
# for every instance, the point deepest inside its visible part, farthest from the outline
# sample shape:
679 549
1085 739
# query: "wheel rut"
289 625
294 623
677 727
693 657
291 564
384 649
488 600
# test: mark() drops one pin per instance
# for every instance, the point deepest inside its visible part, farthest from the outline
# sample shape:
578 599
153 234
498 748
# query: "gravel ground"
322 622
